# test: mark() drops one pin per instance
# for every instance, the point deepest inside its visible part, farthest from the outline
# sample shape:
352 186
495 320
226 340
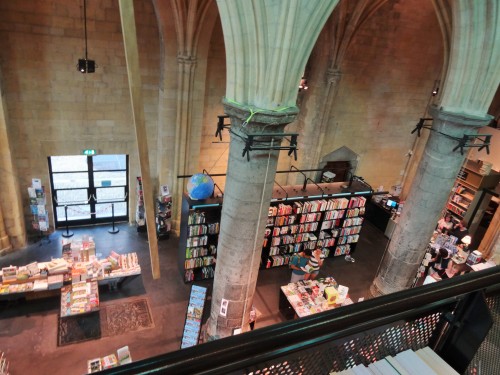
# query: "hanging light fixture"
85 65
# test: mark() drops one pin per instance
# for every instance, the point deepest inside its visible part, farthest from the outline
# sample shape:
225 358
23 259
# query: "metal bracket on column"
251 141
467 141
221 126
421 125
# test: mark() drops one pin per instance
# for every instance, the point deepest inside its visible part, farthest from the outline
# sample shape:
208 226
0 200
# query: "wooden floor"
28 329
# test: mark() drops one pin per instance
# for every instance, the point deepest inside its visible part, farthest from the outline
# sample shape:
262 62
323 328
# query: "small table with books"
308 297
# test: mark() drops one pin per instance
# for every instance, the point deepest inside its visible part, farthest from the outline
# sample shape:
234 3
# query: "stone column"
185 84
248 192
12 226
267 45
430 190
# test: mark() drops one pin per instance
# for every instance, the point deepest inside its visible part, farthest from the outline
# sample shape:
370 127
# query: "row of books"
352 212
196 218
327 242
199 262
204 273
330 224
321 205
353 221
284 220
194 252
342 250
199 229
348 239
335 214
79 298
197 241
122 357
278 260
308 218
292 229
289 239
350 230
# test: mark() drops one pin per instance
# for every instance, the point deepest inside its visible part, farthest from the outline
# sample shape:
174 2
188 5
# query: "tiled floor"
28 329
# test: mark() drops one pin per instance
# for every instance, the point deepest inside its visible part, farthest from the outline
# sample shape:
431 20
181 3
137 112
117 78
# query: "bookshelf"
464 196
330 221
198 238
326 215
163 210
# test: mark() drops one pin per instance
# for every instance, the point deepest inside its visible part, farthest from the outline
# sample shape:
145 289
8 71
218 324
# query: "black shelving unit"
198 238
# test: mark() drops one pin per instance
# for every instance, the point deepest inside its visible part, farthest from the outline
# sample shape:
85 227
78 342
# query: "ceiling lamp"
85 65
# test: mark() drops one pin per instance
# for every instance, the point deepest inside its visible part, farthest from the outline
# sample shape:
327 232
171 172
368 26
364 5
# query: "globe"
200 186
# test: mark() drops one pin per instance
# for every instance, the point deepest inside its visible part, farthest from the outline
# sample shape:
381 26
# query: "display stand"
194 315
163 216
40 221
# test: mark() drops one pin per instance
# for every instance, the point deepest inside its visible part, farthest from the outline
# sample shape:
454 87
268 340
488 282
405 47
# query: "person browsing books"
445 224
314 264
297 264
460 230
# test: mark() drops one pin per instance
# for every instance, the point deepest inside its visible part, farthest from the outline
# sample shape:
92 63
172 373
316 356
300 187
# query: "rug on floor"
124 317
78 328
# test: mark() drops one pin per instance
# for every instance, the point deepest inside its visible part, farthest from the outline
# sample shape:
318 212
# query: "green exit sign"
89 152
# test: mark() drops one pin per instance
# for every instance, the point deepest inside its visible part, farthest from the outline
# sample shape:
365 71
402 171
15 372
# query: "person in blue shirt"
297 262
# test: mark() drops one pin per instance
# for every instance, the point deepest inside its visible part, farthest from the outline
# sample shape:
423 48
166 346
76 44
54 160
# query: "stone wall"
55 110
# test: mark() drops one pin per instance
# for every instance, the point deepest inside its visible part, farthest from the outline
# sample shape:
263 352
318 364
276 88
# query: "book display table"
38 278
79 298
307 297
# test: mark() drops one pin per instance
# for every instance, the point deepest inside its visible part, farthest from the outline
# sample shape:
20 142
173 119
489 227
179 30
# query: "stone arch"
341 154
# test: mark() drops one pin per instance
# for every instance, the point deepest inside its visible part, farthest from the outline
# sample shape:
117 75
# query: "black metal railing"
436 315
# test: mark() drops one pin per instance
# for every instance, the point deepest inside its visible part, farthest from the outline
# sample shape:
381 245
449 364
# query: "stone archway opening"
343 162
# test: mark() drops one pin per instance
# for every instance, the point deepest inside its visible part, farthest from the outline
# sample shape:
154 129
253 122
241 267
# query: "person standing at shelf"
297 263
349 258
445 224
252 318
315 262
460 230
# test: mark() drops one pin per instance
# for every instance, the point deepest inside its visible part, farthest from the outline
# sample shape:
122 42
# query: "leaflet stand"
68 233
194 315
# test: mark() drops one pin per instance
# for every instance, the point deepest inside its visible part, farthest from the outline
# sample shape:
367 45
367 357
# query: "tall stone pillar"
267 45
247 194
430 190
471 81
187 65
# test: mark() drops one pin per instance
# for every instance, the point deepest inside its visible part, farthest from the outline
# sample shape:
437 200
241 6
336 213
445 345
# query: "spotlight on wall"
86 66
303 84
435 90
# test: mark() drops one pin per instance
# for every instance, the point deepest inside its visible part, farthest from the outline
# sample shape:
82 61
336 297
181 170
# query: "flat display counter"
308 297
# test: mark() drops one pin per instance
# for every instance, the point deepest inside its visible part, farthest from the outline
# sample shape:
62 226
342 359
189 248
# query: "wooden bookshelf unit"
327 215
